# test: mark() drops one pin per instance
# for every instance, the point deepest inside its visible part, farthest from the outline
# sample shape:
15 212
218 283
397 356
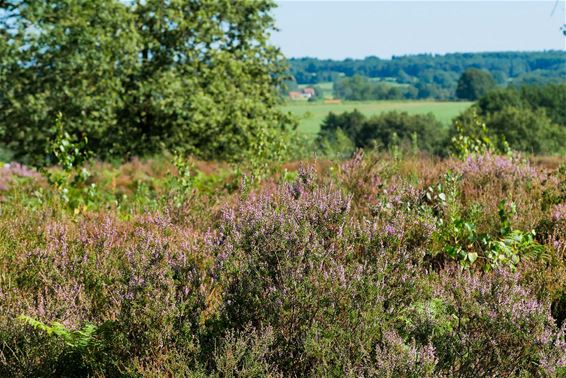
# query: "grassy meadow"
311 114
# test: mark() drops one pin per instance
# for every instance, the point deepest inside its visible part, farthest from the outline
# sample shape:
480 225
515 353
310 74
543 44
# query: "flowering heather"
341 271
394 358
10 172
498 166
498 322
559 212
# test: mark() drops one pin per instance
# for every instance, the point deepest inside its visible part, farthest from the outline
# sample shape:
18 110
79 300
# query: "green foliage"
76 340
358 88
69 57
498 99
528 131
350 123
527 119
443 197
434 76
71 179
137 78
464 243
5 155
181 185
67 153
400 128
549 97
391 130
474 83
336 145
470 136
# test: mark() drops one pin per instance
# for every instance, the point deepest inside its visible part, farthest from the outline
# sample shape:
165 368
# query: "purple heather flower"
559 212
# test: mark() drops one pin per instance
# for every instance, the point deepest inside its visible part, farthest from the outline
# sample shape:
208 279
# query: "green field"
312 114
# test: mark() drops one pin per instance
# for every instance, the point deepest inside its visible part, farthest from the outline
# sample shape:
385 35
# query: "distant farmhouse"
304 94
309 92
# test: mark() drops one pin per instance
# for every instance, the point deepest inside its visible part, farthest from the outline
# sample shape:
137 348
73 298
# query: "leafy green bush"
527 119
549 97
360 88
528 131
463 242
470 136
70 177
390 130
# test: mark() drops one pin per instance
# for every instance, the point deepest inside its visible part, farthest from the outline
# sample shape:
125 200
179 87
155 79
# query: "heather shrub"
395 358
18 183
245 354
362 177
138 283
490 325
376 266
488 179
295 261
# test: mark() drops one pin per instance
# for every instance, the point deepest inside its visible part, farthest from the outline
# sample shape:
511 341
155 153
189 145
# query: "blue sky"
356 29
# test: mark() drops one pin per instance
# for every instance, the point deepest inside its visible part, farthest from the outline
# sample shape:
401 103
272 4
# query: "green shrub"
70 177
391 130
469 136
528 131
528 119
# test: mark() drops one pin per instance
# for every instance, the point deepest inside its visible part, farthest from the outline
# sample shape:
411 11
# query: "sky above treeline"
356 29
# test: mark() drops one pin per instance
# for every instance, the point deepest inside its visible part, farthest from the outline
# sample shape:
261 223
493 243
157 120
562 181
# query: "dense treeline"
436 76
529 119
360 88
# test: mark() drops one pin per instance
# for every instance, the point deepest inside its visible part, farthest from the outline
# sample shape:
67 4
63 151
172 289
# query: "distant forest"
425 75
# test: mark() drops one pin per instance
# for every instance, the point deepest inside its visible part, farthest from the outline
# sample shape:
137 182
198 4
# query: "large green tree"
474 83
136 77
